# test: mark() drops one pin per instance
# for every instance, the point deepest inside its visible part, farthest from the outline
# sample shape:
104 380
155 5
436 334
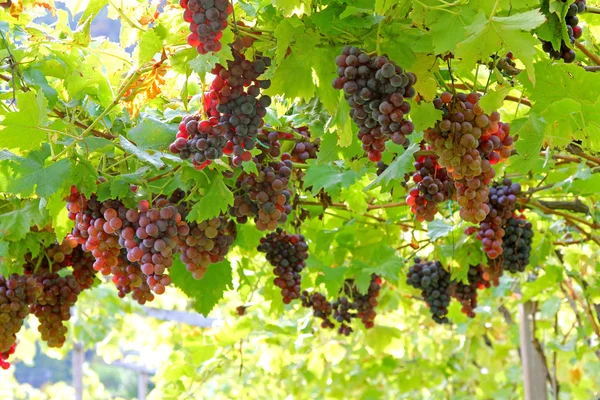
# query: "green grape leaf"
32 174
207 291
396 170
424 115
448 29
438 229
329 178
152 134
25 123
509 33
332 278
60 215
149 44
299 65
15 225
153 159
216 200
493 99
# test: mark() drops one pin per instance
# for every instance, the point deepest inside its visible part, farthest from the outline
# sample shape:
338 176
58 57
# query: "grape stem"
592 9
588 53
299 165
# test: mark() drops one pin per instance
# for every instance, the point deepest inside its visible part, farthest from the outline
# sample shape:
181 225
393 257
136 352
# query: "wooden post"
534 367
142 385
78 358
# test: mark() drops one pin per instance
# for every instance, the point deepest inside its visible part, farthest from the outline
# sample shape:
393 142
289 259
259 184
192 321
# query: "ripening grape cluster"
207 19
4 364
264 195
235 109
376 89
434 186
573 31
202 141
206 243
287 254
468 142
350 304
305 150
516 247
435 285
16 293
502 199
53 307
466 293
137 245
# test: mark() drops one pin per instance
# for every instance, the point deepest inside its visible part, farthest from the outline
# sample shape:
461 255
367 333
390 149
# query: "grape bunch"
287 254
573 31
516 247
435 285
365 303
206 243
304 150
376 89
201 140
468 142
350 304
322 308
82 263
502 199
95 226
53 307
434 186
16 293
152 238
264 195
207 19
4 364
466 293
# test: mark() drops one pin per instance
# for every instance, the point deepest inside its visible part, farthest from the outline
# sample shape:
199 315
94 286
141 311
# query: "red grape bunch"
263 196
207 19
502 199
466 293
152 238
376 89
434 186
468 142
435 285
305 150
53 306
200 140
573 31
4 364
287 254
16 293
206 243
350 304
95 226
516 247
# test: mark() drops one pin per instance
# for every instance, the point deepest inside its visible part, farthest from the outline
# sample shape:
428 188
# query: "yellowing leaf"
146 88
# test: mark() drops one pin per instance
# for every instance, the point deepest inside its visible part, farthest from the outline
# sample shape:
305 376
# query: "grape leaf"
493 99
285 32
152 134
329 178
396 170
511 33
216 200
25 122
332 278
15 225
424 115
447 29
207 291
60 216
341 123
437 229
32 174
141 154
149 44
298 65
